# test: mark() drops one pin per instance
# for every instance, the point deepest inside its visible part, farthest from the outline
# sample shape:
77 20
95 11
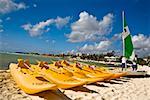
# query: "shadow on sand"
83 89
138 76
120 80
112 82
99 84
52 95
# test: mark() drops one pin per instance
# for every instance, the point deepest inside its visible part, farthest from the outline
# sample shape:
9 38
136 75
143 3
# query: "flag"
128 49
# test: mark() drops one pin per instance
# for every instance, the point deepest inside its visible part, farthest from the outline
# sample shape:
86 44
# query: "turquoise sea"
7 58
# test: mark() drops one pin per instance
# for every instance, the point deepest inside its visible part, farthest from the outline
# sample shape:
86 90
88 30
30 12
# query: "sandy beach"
119 89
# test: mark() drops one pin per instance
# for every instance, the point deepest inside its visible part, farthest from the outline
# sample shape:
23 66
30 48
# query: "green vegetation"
96 57
142 61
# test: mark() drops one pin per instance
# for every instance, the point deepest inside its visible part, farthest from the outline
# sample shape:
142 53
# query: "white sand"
120 89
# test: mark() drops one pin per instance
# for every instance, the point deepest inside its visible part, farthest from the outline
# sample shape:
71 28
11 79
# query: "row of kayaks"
60 74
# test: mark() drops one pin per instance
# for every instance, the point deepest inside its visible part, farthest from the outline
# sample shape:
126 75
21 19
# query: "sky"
60 26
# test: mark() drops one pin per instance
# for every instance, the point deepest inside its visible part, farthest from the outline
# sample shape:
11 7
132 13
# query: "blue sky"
89 26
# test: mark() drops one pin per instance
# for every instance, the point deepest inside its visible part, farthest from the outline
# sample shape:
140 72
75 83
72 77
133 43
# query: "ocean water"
7 58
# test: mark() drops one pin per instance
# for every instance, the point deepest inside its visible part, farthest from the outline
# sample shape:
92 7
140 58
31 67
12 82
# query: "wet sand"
119 89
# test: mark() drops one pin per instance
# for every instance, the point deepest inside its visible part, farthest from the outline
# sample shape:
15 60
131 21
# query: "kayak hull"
29 83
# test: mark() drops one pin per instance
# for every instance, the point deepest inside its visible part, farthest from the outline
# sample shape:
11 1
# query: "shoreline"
119 89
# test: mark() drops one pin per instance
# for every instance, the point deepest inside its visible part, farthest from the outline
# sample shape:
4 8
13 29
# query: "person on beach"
123 60
134 66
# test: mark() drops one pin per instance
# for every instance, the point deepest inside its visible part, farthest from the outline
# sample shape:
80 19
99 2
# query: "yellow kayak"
61 70
88 73
83 77
99 70
76 75
60 79
29 81
94 75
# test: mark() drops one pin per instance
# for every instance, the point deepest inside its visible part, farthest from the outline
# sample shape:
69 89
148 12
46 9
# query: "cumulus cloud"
42 27
100 47
72 51
60 22
7 6
37 29
88 28
117 36
141 44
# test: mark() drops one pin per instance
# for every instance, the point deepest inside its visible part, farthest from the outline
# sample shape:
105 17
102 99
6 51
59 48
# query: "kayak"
114 76
94 75
61 70
60 79
76 75
29 81
88 73
83 77
99 71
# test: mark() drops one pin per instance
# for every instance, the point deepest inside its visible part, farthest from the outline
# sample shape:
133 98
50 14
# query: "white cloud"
1 30
117 36
102 46
47 41
34 5
72 51
141 44
88 28
37 29
8 18
1 20
53 41
7 6
60 22
1 24
42 27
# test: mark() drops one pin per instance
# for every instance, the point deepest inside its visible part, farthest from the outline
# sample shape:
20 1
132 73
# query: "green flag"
128 50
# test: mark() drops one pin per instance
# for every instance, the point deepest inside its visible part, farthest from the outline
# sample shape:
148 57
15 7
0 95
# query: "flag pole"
123 31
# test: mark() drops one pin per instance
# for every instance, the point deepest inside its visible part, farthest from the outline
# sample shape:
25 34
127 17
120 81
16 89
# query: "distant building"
112 58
